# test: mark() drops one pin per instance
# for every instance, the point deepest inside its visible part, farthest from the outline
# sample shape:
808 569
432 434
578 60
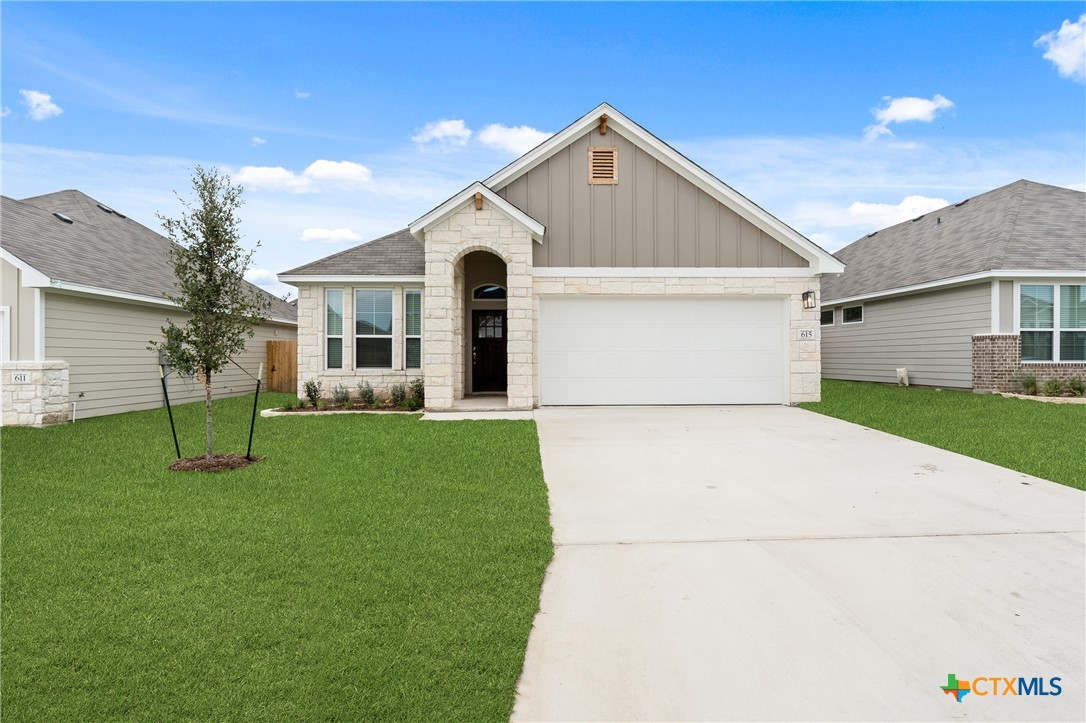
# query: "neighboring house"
969 296
602 267
82 296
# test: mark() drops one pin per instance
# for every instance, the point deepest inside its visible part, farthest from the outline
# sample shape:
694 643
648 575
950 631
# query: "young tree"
209 264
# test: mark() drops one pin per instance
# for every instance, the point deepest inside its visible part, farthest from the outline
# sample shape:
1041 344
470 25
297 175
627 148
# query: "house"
969 296
601 267
81 296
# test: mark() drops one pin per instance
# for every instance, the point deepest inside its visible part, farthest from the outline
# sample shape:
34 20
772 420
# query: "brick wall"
997 364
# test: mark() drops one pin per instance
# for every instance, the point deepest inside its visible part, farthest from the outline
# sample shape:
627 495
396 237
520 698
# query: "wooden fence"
283 366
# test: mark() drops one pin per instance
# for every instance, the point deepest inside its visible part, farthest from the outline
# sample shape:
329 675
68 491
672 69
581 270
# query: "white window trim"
342 323
391 336
833 317
863 315
1055 329
407 336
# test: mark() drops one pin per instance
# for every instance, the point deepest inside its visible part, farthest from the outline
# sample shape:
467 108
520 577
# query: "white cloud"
40 106
330 235
444 134
301 94
881 215
317 176
258 141
1066 48
267 280
272 178
338 171
515 139
904 110
5 112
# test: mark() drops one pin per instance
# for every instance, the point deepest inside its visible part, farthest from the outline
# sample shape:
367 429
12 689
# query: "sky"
346 121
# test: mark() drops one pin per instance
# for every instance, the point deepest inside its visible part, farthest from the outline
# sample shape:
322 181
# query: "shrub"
1077 386
412 404
1052 387
291 404
366 395
322 404
348 404
398 393
340 395
418 392
1028 383
313 390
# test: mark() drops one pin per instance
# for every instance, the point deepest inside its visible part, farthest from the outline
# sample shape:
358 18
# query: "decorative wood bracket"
603 124
478 202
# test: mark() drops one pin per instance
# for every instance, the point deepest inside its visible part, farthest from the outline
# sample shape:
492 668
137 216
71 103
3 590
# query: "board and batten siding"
105 345
929 333
652 217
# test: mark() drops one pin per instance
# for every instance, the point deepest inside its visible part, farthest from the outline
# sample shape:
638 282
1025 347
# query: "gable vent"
603 165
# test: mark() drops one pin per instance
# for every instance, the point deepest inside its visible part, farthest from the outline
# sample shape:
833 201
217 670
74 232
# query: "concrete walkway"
768 563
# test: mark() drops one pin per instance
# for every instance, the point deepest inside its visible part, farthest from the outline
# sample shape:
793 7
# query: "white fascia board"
672 272
454 204
295 279
820 259
996 275
70 288
31 277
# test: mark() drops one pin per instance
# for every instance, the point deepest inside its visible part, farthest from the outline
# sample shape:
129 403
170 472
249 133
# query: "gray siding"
929 333
105 345
651 217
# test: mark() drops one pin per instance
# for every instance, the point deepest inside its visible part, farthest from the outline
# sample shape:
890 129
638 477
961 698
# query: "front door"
488 351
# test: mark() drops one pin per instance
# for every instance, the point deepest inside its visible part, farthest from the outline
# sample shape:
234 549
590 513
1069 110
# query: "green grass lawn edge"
371 567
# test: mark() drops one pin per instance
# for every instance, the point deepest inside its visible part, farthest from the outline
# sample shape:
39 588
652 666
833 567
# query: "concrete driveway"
769 563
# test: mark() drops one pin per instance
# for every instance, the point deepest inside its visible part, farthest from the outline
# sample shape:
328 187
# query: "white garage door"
653 350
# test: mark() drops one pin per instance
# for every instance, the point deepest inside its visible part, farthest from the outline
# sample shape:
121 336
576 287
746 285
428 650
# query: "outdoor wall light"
809 300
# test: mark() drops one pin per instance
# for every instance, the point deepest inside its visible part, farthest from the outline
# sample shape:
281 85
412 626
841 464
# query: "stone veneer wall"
997 364
41 402
311 342
447 243
805 359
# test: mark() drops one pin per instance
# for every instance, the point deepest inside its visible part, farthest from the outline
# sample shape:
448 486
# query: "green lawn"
1042 439
372 567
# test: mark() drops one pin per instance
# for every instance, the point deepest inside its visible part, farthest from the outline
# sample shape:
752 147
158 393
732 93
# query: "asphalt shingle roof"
99 248
1024 226
397 254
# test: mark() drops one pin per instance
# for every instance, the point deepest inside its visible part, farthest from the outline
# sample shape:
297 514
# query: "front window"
827 317
373 328
489 291
1052 322
852 315
333 328
412 330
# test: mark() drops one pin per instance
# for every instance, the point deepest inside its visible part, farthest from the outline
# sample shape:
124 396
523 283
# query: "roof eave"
419 227
978 276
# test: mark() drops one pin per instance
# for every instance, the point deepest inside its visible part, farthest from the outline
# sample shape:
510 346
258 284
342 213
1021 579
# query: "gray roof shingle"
1024 226
99 248
397 254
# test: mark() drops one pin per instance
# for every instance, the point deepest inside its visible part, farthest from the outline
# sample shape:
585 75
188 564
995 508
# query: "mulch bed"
217 463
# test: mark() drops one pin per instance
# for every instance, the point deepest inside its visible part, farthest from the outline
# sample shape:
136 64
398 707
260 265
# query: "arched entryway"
486 325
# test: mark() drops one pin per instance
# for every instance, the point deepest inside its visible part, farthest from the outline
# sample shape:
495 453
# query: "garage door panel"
654 350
